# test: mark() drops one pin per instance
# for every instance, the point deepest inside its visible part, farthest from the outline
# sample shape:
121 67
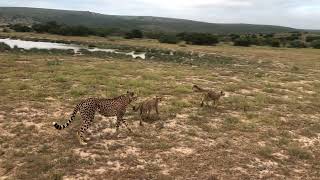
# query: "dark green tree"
316 44
135 33
243 41
297 44
169 38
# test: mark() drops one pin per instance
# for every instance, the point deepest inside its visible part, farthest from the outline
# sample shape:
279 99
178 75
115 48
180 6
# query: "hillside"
147 23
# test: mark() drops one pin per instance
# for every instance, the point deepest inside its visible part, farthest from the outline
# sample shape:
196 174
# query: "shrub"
253 40
170 39
6 30
50 27
316 44
299 153
134 34
71 31
312 38
4 47
153 35
61 29
234 36
79 31
271 35
224 38
297 44
200 39
254 36
293 36
275 43
182 35
104 32
242 42
21 28
283 41
265 41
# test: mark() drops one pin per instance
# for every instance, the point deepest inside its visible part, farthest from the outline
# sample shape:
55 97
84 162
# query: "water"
50 45
40 45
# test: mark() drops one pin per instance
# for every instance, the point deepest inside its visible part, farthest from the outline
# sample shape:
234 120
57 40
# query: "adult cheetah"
107 107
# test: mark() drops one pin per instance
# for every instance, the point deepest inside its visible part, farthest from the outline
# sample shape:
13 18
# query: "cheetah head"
159 98
222 93
131 96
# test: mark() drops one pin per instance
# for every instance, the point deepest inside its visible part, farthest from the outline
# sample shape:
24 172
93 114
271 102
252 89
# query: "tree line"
292 39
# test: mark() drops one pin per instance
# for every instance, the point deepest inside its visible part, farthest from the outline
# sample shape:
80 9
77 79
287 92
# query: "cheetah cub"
146 107
208 95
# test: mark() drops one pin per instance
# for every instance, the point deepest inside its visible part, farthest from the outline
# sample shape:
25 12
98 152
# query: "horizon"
295 14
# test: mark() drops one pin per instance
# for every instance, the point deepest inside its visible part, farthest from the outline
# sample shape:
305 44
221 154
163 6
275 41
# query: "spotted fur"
107 107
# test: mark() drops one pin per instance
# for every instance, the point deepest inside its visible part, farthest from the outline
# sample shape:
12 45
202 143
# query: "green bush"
170 39
275 43
234 36
6 30
293 37
312 38
153 35
53 27
271 35
242 42
316 44
104 32
4 47
200 38
21 28
254 40
134 34
297 44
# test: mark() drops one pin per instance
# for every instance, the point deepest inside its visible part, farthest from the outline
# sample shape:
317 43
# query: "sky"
304 14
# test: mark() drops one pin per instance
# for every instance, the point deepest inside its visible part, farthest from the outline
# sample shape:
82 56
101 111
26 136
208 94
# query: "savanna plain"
267 126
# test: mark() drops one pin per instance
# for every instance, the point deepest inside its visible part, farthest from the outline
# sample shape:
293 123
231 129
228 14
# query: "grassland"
267 125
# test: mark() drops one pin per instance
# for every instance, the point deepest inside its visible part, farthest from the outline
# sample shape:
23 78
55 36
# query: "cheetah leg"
216 102
82 131
141 116
141 124
149 113
157 110
119 121
126 124
87 120
202 101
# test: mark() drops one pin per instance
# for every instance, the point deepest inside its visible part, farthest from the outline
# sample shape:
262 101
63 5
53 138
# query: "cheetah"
208 95
147 106
107 107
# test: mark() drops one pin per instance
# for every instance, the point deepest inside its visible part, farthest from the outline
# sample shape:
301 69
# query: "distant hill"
14 15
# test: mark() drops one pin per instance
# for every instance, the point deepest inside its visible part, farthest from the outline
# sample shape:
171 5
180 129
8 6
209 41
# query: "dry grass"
267 126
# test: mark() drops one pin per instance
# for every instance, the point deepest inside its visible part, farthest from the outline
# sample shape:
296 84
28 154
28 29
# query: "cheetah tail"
196 88
73 115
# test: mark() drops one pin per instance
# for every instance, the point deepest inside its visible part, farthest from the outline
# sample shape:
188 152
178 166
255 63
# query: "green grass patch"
297 152
265 151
